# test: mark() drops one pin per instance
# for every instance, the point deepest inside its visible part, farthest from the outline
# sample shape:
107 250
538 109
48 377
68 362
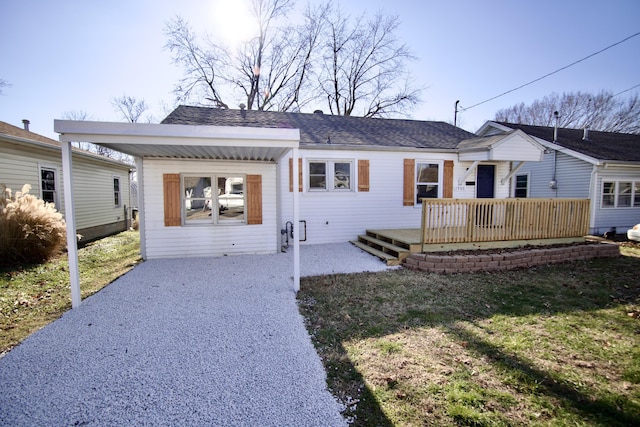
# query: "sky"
77 55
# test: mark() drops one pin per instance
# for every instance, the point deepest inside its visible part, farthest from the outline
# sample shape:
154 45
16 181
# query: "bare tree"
3 84
365 64
81 115
129 107
202 64
603 112
361 62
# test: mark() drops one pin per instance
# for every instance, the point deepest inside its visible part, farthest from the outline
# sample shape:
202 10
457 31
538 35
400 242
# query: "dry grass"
547 346
30 229
34 295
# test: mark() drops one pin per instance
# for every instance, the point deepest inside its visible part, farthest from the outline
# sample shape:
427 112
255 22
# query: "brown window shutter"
447 191
172 211
254 199
299 175
363 175
409 182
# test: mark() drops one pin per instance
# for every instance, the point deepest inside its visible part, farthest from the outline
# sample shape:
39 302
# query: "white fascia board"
491 124
170 134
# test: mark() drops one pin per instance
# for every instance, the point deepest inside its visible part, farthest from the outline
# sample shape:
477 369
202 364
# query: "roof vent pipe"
585 137
555 129
318 112
26 122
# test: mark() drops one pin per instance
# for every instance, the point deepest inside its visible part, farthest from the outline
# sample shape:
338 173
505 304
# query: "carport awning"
171 141
182 141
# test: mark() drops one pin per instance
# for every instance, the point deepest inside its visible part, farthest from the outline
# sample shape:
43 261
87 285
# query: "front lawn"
32 296
554 345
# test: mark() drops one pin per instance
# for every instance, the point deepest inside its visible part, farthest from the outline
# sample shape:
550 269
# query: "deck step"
383 245
388 258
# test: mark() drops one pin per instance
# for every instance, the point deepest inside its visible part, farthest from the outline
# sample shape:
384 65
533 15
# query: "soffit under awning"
182 141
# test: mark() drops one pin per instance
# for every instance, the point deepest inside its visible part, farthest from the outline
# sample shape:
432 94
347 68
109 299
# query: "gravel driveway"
199 341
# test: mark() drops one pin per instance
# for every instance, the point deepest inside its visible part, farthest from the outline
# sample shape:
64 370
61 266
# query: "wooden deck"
393 245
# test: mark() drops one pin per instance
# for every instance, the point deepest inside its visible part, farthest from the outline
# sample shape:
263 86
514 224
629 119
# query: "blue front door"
485 181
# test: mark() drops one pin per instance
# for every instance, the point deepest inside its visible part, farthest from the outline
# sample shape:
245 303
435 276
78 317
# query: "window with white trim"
217 199
620 194
117 202
428 176
49 185
330 175
521 186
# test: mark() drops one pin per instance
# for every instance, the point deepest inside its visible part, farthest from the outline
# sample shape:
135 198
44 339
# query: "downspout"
593 193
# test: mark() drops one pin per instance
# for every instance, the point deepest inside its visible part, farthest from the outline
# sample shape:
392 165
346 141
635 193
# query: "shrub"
31 230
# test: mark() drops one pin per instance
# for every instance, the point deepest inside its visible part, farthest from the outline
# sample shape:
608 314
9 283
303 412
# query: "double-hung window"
217 199
620 194
116 192
427 181
521 188
330 175
48 185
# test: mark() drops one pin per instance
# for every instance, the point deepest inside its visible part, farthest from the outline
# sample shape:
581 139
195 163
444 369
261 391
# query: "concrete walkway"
199 341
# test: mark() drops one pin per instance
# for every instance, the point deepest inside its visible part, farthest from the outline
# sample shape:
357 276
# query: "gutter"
57 148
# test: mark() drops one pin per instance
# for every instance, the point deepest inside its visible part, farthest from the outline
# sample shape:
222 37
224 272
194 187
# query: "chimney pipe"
585 137
555 129
25 122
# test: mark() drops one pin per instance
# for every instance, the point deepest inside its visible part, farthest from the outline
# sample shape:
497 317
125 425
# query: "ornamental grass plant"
31 230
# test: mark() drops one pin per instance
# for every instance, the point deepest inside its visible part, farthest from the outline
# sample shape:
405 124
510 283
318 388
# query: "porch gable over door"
515 146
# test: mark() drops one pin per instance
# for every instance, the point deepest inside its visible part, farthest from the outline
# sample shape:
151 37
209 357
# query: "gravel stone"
197 341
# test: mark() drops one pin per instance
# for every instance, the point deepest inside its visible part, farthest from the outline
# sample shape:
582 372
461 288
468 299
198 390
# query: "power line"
554 72
626 90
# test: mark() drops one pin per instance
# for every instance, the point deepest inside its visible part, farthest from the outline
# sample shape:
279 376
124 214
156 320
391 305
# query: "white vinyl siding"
340 216
92 181
572 176
186 241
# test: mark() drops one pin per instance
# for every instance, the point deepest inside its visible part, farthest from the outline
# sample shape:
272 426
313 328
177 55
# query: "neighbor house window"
218 199
620 194
116 191
48 185
521 186
332 175
428 181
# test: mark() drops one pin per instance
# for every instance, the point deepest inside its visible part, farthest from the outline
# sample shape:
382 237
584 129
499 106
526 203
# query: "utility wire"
626 90
556 71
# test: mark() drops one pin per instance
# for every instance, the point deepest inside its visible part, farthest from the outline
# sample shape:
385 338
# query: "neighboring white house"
579 163
101 185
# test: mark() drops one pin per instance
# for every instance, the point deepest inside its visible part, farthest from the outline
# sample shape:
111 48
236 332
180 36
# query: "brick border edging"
524 258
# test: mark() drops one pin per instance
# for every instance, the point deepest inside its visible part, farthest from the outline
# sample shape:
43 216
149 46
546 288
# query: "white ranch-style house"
220 182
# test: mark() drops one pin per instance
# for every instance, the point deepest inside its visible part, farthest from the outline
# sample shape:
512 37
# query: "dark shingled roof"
600 145
324 129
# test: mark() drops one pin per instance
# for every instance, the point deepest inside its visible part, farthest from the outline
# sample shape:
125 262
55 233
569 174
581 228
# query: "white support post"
70 219
141 216
296 222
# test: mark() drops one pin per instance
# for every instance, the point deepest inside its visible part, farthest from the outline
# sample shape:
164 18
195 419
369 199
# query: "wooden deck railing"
484 220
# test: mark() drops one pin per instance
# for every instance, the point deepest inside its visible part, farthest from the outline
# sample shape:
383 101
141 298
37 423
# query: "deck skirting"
521 258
